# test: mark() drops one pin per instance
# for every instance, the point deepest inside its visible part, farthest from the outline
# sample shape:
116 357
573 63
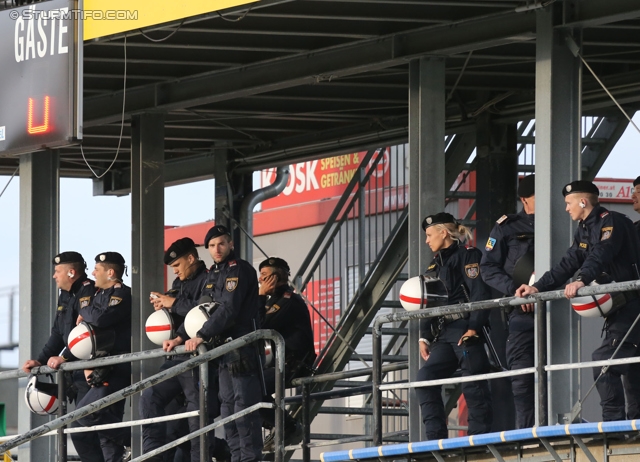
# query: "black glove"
99 376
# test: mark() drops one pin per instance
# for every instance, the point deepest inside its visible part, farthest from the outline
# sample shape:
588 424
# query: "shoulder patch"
472 271
584 245
287 295
606 232
86 283
273 309
490 243
469 247
113 301
117 285
604 214
84 302
232 263
502 219
231 284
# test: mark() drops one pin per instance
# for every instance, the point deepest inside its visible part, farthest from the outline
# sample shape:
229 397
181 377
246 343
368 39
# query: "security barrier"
199 361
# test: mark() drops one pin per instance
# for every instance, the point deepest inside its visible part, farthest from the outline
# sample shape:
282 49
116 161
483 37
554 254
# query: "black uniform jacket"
287 313
605 241
458 267
187 292
511 238
111 309
69 304
234 284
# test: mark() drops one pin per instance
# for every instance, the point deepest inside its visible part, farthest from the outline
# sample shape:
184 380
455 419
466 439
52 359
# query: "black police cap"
438 219
275 262
527 186
636 182
68 257
580 186
214 232
110 257
178 249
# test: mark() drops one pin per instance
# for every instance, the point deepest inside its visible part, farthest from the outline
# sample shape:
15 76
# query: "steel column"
147 239
558 111
426 187
222 202
496 178
39 242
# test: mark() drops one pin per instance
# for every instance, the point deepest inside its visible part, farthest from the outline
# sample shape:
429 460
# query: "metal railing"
336 266
201 361
539 370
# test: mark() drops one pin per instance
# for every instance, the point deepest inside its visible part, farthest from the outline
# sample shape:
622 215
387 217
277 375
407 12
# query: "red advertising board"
322 179
324 294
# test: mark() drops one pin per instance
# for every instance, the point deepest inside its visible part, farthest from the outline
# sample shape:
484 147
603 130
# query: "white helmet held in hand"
592 306
195 319
423 292
41 397
159 326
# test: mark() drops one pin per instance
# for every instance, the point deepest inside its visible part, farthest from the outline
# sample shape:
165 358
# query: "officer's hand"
30 364
169 345
424 350
571 289
161 301
523 291
55 361
192 344
87 373
268 285
79 320
467 335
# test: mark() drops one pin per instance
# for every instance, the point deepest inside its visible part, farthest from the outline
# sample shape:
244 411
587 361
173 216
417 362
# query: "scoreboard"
40 76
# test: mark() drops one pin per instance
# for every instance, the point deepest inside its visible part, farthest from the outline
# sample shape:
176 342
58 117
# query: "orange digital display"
44 126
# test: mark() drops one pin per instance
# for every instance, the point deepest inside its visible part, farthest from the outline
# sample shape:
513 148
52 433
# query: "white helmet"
268 353
85 340
159 326
593 306
423 292
195 319
41 397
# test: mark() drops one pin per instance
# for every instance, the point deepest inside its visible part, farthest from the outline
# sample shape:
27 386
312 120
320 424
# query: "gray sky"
186 204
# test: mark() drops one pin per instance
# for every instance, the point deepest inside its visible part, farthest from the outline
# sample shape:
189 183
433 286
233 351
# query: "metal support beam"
39 242
496 178
558 125
594 156
426 187
314 66
147 239
223 203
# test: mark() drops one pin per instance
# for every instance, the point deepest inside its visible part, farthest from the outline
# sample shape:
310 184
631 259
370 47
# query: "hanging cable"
237 19
575 50
455 85
164 38
124 95
9 182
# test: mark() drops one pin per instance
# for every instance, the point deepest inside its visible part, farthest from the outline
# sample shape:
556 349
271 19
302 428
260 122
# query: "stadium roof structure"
279 81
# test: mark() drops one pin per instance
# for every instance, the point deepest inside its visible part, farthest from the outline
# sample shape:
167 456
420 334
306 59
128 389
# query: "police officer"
506 264
191 273
454 341
604 241
76 291
110 310
633 377
286 313
233 284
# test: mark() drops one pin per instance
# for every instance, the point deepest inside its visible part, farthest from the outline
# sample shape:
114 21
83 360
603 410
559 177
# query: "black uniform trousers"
610 386
444 359
104 445
520 352
240 388
154 400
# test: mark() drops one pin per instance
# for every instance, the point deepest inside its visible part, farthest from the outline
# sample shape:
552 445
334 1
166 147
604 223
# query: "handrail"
164 375
466 308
